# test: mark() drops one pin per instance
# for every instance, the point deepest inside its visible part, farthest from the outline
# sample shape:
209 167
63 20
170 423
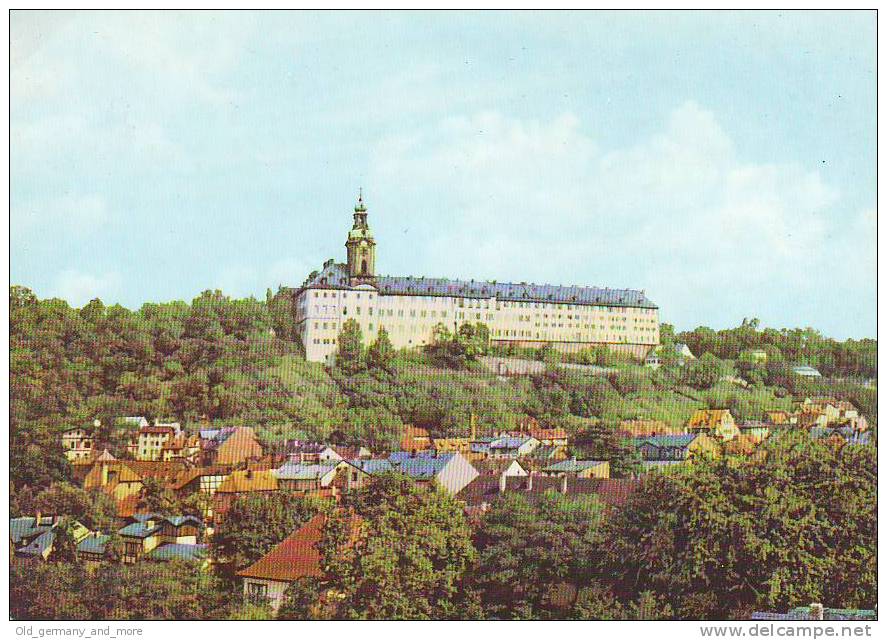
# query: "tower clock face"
363 243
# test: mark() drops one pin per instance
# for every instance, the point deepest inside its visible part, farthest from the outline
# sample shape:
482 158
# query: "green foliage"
525 549
459 350
350 357
704 372
381 352
411 550
256 522
94 510
800 528
851 358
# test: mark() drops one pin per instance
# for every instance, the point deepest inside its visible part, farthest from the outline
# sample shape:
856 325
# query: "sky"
723 162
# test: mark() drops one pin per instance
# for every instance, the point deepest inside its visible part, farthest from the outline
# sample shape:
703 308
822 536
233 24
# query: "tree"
158 497
95 510
350 357
255 523
524 550
64 544
380 352
704 372
406 557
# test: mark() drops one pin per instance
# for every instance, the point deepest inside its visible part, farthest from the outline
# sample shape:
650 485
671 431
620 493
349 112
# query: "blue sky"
723 162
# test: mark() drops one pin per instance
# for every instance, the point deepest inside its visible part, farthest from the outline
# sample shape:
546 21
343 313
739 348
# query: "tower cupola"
360 245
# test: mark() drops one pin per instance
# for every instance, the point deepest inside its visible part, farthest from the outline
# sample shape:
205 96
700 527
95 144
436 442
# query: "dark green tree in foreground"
255 523
381 352
397 551
350 357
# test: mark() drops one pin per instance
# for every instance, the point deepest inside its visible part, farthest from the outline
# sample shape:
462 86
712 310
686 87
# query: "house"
310 452
715 423
181 447
359 471
841 435
230 445
756 430
450 471
741 445
77 444
452 445
579 469
817 612
652 360
297 556
133 421
779 417
351 453
641 428
240 483
480 494
32 538
415 439
683 352
550 437
512 446
296 476
497 467
806 372
92 549
677 448
118 480
545 455
146 532
150 442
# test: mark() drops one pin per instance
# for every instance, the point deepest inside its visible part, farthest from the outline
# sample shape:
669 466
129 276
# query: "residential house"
756 430
450 471
230 445
150 442
298 556
351 453
297 476
641 428
683 352
512 446
452 445
239 483
359 472
415 439
652 360
32 538
148 531
715 423
742 445
497 467
678 448
780 417
310 452
181 447
480 494
806 372
841 435
77 444
550 437
543 455
579 469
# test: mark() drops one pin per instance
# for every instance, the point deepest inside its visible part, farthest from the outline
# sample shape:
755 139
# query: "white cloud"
79 287
77 214
679 214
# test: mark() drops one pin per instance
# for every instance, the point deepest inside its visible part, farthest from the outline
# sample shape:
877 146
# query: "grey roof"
25 527
573 466
372 465
423 467
93 544
681 441
335 276
300 471
178 551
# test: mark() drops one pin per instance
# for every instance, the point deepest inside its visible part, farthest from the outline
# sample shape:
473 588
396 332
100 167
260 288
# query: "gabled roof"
611 491
94 544
372 465
708 417
573 466
510 442
681 441
243 481
27 526
424 467
178 551
297 556
301 471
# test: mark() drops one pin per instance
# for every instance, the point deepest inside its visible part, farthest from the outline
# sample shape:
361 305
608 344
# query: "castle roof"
335 276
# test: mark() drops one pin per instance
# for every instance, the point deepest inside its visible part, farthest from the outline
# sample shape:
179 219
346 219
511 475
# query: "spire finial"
360 206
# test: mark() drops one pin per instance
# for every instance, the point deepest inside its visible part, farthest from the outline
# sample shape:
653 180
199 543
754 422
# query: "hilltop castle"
527 315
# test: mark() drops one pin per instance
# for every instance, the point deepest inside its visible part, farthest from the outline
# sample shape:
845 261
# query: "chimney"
817 611
564 483
37 519
503 482
530 481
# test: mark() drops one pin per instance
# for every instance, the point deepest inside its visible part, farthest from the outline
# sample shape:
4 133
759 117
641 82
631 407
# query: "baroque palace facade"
527 315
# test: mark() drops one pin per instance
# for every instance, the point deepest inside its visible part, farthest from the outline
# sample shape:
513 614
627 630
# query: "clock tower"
361 246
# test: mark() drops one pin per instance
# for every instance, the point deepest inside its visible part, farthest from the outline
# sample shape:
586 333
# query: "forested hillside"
224 361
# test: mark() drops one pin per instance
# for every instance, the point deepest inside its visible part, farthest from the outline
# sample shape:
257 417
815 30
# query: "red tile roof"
297 556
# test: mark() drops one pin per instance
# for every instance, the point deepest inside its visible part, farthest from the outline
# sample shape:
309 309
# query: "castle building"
569 318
